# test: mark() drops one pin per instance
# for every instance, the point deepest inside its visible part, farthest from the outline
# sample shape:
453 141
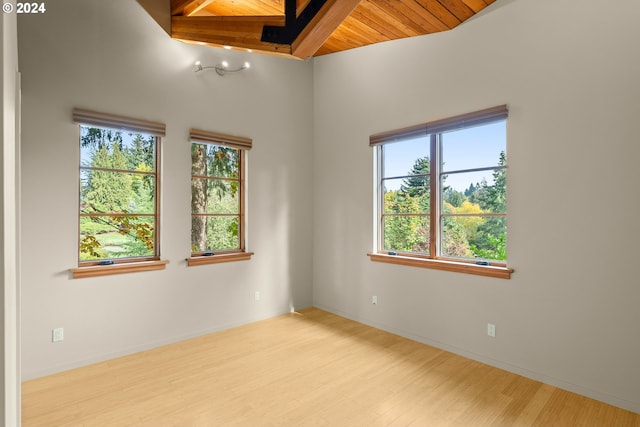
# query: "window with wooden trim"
217 197
441 192
119 192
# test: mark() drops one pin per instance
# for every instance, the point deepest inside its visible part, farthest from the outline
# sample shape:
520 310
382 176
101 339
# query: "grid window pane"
475 147
117 236
114 149
406 233
400 158
216 198
106 191
214 161
470 191
118 195
222 233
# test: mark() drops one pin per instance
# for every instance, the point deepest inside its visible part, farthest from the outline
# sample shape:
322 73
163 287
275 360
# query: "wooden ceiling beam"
236 31
177 6
195 7
304 28
323 24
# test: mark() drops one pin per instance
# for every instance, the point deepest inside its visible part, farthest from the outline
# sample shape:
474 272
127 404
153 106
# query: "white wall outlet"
57 334
491 330
374 300
256 296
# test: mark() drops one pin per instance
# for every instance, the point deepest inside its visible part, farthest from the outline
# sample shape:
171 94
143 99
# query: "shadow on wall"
345 277
159 11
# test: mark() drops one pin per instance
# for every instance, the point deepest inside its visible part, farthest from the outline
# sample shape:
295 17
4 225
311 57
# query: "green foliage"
215 195
490 239
469 235
454 235
92 227
124 233
99 138
405 233
108 191
90 248
497 248
141 152
110 196
455 198
222 233
416 186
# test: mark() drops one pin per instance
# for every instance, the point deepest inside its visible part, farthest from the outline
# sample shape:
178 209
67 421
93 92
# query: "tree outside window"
217 197
118 194
442 189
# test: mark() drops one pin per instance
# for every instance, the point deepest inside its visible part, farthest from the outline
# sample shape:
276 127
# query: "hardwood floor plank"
311 368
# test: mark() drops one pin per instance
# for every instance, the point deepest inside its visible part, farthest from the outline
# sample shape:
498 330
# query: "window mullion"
434 171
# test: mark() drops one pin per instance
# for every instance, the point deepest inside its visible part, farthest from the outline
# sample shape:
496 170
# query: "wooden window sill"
437 264
120 268
215 259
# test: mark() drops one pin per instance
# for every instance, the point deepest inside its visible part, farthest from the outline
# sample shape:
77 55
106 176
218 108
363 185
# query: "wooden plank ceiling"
305 28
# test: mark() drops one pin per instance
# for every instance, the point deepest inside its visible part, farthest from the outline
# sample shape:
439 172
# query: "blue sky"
469 148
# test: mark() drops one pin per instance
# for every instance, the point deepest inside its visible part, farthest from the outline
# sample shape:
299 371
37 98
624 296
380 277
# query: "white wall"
569 73
9 236
111 56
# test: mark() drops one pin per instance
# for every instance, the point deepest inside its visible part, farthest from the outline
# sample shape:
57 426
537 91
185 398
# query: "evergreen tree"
491 237
113 191
418 183
454 197
108 191
469 191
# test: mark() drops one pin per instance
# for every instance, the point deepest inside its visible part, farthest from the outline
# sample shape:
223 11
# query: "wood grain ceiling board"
372 21
246 7
373 16
250 7
477 5
395 19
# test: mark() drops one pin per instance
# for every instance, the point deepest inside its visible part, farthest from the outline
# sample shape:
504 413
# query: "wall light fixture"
222 68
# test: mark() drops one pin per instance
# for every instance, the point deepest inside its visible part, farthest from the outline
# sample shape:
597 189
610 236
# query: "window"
119 181
441 194
217 197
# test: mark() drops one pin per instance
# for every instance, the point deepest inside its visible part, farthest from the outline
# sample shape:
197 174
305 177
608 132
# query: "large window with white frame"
441 193
218 166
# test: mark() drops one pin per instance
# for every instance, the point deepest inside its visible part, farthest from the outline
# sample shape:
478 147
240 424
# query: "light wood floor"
307 369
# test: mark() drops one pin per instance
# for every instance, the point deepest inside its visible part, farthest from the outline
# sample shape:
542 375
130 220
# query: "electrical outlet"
491 330
374 300
256 296
57 334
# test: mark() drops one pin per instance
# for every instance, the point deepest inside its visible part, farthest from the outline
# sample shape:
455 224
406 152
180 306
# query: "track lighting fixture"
222 68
